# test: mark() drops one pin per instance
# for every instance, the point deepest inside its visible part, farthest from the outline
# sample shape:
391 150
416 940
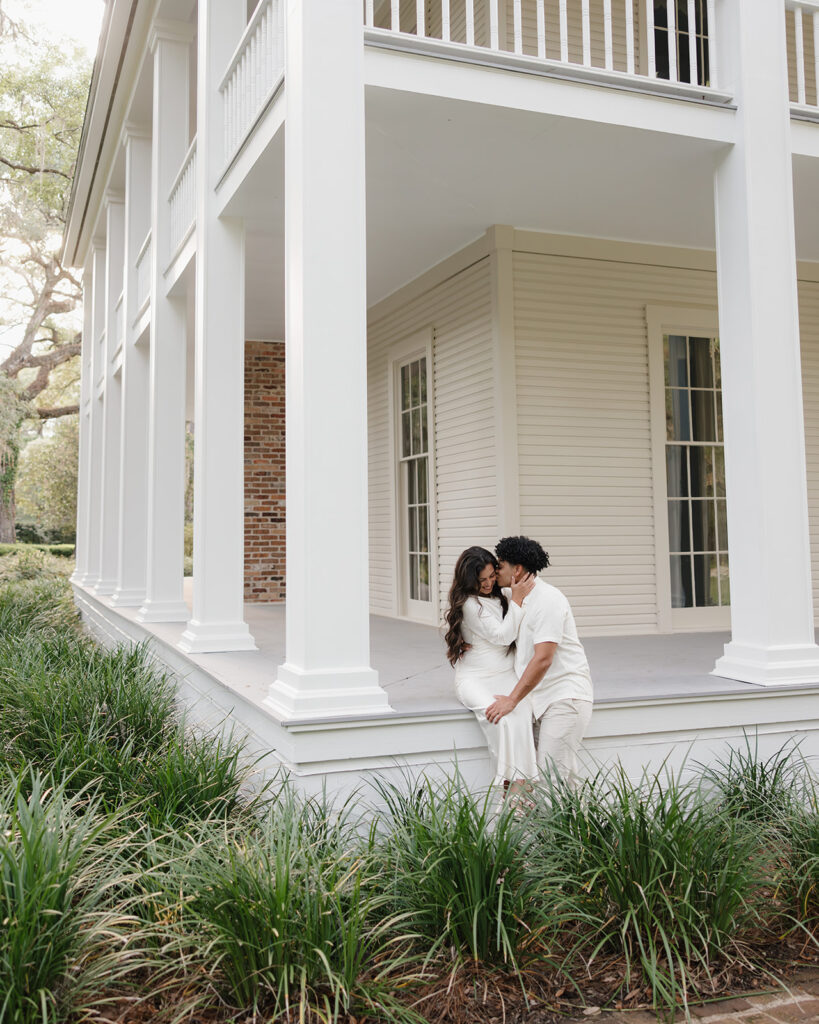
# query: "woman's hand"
525 585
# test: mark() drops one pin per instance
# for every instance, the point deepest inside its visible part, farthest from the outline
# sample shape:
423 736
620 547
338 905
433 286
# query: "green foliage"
654 872
59 550
46 488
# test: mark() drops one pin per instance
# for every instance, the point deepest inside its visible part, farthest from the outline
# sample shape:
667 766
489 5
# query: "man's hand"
502 706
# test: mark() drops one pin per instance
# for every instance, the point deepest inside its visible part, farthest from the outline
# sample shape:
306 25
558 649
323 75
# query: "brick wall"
264 471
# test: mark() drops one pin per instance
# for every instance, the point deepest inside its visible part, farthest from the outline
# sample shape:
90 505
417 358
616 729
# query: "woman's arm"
487 626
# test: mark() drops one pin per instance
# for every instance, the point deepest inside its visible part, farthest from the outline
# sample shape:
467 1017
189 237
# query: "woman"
482 626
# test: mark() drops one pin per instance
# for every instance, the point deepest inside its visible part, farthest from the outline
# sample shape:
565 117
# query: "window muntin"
414 467
681 40
695 472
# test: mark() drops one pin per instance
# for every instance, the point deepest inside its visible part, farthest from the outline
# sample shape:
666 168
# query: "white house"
466 268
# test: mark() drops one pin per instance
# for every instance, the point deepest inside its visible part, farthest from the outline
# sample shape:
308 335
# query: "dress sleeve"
487 626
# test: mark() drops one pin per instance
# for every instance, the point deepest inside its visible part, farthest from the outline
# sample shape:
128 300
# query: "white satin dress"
488 669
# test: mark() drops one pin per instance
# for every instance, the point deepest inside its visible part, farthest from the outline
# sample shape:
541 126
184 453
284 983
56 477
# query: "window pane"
724 581
719 472
424 379
424 432
711 587
421 468
699 352
678 427
412 529
703 525
676 368
405 387
719 416
415 384
413 577
702 412
406 433
676 459
717 367
423 578
722 525
416 431
681 593
423 529
679 537
702 472
412 489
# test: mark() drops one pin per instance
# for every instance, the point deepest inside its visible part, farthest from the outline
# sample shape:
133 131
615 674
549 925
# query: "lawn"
147 875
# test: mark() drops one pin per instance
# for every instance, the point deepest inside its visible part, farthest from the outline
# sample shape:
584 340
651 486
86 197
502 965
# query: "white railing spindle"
369 14
671 35
470 22
517 16
713 44
420 18
607 35
564 32
693 62
800 55
541 29
816 55
493 25
630 36
586 34
650 51
395 16
446 32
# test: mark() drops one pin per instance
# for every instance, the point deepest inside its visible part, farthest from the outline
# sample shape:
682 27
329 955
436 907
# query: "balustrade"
802 25
182 201
143 274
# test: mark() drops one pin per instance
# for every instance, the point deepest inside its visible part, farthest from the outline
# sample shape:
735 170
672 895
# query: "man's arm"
533 673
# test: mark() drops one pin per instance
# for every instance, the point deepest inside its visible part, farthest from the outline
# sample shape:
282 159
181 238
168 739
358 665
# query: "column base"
163 611
213 637
326 694
86 580
104 588
769 666
128 598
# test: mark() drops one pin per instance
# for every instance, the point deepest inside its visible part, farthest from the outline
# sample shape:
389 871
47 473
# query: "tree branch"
56 411
33 170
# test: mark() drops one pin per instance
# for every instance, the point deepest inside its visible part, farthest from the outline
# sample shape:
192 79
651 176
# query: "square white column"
84 461
96 382
133 483
111 398
769 548
164 601
217 622
327 669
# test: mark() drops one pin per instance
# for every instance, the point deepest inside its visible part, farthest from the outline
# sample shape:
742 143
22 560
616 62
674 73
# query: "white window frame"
415 346
698 321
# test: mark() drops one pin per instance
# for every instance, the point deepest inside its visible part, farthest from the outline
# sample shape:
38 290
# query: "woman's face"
486 580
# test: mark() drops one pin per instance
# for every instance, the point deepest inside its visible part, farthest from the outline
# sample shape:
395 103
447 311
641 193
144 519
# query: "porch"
655 700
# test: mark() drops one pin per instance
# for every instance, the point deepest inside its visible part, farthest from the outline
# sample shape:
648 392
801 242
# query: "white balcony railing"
254 73
120 315
597 38
182 201
143 275
802 26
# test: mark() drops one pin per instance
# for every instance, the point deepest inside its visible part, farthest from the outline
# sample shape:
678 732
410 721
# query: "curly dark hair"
522 551
465 583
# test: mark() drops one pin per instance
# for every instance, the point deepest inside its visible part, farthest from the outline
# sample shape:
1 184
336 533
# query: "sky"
76 19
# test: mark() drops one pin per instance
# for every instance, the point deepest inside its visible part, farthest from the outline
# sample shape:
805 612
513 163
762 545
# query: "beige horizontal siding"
809 331
459 311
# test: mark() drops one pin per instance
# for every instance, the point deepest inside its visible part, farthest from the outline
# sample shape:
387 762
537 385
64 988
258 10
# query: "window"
415 549
681 28
695 472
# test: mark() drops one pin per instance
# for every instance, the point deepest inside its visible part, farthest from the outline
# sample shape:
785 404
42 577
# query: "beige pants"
558 734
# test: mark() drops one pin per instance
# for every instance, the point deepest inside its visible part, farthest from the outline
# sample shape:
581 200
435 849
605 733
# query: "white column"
95 413
164 601
217 622
327 669
111 398
133 484
771 596
83 542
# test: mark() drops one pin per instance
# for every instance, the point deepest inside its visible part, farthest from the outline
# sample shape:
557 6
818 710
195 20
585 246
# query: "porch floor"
409 658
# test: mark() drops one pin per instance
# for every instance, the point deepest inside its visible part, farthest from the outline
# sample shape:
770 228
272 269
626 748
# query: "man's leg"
561 729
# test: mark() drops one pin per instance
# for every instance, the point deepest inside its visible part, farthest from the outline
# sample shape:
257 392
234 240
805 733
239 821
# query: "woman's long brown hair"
466 583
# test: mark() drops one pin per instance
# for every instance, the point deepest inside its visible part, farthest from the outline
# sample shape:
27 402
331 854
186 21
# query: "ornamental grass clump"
63 939
287 919
35 596
457 868
653 872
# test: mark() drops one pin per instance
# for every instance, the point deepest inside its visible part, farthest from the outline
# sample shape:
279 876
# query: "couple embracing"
519 665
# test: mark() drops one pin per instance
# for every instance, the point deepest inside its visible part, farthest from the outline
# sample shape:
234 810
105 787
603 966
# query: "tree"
47 479
42 99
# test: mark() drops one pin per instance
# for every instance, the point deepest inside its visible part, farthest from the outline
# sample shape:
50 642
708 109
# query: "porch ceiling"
440 171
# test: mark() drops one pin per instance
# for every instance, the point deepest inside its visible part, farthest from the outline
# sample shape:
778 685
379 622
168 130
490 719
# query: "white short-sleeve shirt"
548 619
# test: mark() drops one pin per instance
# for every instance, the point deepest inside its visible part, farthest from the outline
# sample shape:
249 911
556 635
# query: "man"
550 662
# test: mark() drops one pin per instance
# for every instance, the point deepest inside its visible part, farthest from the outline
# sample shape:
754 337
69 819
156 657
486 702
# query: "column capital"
113 197
165 31
133 131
